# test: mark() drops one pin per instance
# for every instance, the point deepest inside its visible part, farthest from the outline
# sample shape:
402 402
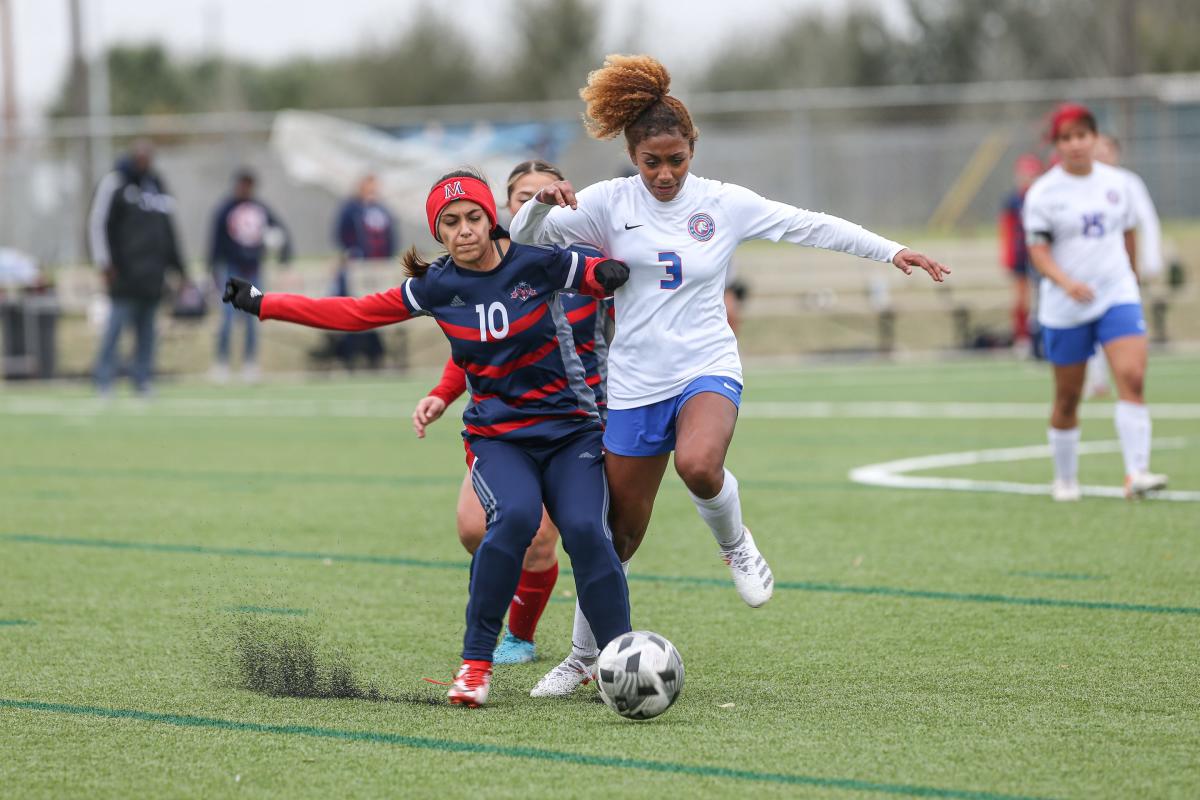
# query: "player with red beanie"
539 573
533 433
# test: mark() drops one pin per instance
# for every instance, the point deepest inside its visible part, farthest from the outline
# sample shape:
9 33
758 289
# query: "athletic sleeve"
778 222
542 223
345 313
1150 258
98 218
572 271
452 384
1038 227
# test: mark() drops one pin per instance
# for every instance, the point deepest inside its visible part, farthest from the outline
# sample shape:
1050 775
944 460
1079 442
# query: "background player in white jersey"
675 378
1149 245
1080 221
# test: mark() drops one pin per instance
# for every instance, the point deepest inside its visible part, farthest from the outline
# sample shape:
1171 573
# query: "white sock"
723 513
1133 429
583 641
1065 445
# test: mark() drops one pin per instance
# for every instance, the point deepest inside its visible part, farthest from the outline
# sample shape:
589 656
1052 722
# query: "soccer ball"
640 674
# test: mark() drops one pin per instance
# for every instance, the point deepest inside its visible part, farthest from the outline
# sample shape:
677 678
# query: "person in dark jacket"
132 237
240 234
365 228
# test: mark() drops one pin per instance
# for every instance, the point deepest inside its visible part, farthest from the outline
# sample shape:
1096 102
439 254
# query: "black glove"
611 274
243 295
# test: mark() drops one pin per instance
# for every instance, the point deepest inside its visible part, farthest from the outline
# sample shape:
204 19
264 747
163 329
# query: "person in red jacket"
1013 252
588 318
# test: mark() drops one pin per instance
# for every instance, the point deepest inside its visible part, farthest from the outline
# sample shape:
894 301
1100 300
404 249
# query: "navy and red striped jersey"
588 317
508 329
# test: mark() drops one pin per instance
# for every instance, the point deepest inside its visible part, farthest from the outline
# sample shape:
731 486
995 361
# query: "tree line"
555 42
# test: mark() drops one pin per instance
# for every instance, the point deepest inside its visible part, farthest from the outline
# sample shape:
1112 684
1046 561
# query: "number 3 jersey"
1084 217
671 324
507 328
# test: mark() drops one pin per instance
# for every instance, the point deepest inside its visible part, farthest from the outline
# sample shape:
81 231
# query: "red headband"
1065 115
451 189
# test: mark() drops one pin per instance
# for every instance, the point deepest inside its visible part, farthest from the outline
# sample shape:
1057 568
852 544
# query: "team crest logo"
1113 197
454 190
523 291
701 227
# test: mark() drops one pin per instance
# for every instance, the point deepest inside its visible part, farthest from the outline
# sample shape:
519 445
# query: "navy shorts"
1066 346
650 430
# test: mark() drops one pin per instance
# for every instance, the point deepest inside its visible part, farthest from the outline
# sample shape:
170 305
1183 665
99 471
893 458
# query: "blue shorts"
650 430
1075 345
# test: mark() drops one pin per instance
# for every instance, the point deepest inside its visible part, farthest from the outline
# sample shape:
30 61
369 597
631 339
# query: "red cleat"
471 684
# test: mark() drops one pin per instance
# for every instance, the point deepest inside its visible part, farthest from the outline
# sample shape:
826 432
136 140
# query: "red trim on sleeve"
452 384
336 313
588 285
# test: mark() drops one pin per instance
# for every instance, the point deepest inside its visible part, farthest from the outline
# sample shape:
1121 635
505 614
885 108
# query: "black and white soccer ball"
640 674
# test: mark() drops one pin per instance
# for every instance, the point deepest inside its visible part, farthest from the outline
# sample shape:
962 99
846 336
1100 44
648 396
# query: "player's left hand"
906 259
611 274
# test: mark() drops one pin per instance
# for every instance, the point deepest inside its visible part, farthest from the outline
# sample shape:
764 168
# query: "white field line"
388 409
939 410
893 474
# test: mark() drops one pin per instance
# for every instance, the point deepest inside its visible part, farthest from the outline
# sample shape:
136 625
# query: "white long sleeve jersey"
671 326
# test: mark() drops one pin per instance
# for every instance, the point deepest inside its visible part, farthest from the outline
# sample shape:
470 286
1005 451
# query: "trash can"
29 325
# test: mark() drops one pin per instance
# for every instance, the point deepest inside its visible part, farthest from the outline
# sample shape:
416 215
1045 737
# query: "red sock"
533 592
1020 324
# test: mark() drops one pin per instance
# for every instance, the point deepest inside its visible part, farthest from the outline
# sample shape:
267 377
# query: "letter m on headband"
454 190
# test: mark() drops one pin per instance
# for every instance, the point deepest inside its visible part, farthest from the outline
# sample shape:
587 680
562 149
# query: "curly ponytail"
630 94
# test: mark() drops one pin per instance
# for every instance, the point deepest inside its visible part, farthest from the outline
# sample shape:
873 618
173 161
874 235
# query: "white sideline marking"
934 410
385 409
893 474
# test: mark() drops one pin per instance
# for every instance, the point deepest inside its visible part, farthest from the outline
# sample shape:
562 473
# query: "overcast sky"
680 32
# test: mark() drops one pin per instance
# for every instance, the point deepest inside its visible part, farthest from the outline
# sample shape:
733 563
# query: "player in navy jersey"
674 374
539 573
533 432
1013 251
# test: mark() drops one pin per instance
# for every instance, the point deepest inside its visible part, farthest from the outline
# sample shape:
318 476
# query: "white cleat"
1138 484
1065 491
751 574
563 680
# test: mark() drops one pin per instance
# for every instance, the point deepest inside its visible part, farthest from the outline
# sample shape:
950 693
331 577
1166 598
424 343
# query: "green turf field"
920 643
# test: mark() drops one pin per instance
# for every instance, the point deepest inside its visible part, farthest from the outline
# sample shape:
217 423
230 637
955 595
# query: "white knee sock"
723 513
1133 429
1065 446
583 641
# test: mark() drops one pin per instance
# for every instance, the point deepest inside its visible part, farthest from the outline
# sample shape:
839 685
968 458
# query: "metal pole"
9 66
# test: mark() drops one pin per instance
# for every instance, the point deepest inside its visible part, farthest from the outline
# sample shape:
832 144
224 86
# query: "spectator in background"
365 230
1013 252
240 235
133 243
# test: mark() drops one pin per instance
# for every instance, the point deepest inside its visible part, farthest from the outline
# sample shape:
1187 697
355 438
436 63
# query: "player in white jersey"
674 375
1080 220
1149 246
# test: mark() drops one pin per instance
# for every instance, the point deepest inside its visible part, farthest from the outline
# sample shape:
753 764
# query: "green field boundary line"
685 580
529 753
12 623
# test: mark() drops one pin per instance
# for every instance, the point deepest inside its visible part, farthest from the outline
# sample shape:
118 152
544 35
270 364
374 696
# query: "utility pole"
8 64
79 88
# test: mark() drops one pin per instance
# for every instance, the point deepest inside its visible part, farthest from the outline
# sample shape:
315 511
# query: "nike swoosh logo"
629 227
